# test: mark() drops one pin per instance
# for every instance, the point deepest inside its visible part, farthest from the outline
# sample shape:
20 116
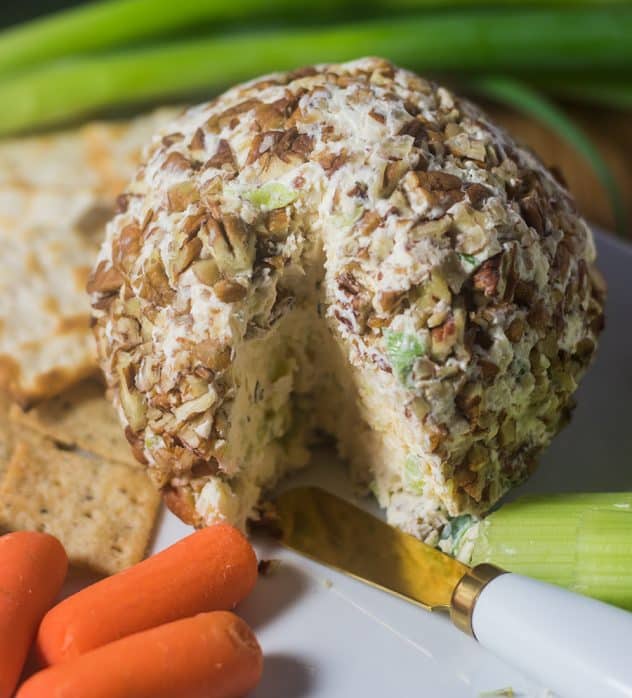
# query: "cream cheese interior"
294 387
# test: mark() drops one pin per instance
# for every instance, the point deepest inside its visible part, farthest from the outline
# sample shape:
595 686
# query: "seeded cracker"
56 193
80 417
102 512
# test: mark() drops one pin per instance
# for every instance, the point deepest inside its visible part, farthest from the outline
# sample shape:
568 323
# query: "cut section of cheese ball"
348 250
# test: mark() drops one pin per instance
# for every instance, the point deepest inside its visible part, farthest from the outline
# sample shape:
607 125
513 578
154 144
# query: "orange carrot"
212 655
32 570
210 570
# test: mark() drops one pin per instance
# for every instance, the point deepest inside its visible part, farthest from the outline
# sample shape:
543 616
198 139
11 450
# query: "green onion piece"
455 530
524 99
552 538
413 477
469 258
509 39
272 195
604 557
402 350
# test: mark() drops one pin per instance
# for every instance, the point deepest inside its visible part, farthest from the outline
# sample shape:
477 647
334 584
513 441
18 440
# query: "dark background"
15 11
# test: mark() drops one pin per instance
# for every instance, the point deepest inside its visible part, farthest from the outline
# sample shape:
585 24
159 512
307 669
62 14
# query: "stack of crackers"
65 465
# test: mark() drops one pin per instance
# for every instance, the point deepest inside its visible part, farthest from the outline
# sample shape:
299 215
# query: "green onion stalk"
105 24
478 41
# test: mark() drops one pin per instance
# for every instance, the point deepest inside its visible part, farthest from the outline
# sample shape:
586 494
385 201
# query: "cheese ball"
348 251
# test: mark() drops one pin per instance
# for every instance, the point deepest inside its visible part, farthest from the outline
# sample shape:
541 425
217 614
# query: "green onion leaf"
402 349
272 195
469 258
507 39
413 479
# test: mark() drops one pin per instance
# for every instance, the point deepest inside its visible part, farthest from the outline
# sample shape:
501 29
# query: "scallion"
476 40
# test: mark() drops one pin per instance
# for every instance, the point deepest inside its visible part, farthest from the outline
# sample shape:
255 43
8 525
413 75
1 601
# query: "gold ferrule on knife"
466 594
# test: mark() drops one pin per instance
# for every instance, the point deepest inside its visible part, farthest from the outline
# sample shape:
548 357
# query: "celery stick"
603 567
510 39
526 539
553 538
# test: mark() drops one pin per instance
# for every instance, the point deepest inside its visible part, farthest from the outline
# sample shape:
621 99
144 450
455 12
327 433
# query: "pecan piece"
489 370
104 279
185 255
331 162
442 189
126 246
278 222
197 142
223 156
232 244
216 122
515 330
177 162
272 115
182 194
444 338
486 277
229 291
155 283
477 194
532 212
416 129
206 271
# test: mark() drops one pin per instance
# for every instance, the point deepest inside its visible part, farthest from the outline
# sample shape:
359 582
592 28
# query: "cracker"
56 193
6 432
81 417
102 512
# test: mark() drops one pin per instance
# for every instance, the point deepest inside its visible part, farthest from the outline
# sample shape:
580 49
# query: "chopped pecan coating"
448 270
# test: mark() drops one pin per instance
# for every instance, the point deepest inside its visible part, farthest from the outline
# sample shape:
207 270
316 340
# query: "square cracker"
81 417
56 193
6 432
102 512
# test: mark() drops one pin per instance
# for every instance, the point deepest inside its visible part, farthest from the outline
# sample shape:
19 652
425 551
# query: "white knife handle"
576 646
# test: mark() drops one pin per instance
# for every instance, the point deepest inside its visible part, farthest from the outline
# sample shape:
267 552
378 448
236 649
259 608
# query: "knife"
577 646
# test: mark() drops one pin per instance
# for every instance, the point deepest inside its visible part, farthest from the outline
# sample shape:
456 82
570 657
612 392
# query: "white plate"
327 636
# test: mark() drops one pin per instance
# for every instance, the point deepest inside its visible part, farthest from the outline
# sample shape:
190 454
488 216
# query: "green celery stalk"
526 100
509 39
603 567
556 538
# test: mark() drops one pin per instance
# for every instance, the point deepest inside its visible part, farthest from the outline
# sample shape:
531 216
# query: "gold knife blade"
333 531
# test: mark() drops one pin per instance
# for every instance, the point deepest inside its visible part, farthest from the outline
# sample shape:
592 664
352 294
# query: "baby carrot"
212 655
211 570
32 569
